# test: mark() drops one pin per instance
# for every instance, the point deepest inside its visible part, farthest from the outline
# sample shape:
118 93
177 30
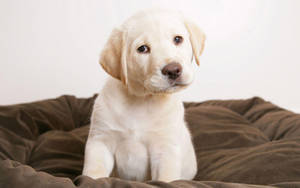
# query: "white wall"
51 47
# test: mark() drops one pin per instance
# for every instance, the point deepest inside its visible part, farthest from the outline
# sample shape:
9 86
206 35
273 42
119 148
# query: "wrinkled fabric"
238 143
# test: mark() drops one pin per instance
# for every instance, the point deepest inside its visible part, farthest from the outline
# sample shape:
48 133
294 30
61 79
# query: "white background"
51 47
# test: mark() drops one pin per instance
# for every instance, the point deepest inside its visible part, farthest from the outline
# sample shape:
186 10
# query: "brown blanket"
238 142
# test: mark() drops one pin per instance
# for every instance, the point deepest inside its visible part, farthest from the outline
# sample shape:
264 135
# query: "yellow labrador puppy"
137 129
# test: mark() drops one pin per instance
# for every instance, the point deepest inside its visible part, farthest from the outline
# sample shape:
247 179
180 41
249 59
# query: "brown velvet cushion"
242 141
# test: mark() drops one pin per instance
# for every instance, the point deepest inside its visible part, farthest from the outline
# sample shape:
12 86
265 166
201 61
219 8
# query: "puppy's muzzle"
172 70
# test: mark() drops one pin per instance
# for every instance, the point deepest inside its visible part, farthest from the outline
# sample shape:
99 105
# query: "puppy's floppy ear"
113 56
197 38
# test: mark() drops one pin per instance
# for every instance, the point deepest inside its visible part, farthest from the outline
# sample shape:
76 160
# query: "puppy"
137 128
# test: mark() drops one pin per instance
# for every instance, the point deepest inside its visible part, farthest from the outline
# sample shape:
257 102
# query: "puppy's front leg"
165 163
98 161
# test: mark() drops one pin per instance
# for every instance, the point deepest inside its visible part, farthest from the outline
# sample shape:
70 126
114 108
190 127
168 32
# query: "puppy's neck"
118 99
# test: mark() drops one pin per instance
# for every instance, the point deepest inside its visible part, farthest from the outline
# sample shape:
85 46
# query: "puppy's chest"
134 130
139 124
139 119
119 119
136 126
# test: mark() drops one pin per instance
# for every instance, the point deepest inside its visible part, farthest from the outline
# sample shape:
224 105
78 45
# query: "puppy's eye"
143 49
178 40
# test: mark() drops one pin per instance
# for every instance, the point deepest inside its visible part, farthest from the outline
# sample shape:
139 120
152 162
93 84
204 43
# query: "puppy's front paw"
95 173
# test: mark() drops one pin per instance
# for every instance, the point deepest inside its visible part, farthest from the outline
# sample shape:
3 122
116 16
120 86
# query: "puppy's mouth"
179 84
156 85
175 86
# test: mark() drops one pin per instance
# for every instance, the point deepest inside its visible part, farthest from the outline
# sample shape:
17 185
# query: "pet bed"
238 143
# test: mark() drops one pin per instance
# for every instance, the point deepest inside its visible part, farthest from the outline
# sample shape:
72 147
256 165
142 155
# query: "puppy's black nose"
172 70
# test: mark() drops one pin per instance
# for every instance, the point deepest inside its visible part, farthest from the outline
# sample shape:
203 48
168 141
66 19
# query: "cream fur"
137 129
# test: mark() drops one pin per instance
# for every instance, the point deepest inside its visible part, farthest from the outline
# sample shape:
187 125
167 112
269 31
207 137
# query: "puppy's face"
152 53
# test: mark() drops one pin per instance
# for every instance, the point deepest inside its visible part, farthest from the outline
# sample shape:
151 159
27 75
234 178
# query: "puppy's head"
152 52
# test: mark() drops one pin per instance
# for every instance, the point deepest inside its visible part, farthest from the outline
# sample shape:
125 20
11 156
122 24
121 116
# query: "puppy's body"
139 137
137 127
